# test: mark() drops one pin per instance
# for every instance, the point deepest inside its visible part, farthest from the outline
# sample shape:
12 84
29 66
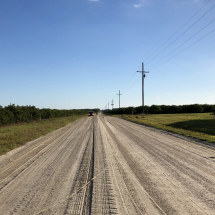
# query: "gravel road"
106 165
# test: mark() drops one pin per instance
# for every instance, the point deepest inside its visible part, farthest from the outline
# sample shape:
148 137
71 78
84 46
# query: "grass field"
197 125
13 136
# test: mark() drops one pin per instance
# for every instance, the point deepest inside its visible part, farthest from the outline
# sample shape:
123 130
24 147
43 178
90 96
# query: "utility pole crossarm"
143 76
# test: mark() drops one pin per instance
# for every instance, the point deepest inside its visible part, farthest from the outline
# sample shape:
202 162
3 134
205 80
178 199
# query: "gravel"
106 165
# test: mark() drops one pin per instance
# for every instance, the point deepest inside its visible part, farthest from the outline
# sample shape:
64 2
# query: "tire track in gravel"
152 195
80 203
103 165
103 196
20 164
92 191
24 158
189 167
181 171
42 171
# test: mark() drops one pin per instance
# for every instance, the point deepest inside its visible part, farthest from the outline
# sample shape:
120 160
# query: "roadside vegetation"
16 114
15 135
21 124
164 109
197 125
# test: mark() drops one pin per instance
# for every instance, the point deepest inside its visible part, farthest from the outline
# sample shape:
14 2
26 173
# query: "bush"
155 109
163 109
174 109
6 117
16 114
195 108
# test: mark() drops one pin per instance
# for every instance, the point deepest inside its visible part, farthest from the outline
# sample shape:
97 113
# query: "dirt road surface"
106 165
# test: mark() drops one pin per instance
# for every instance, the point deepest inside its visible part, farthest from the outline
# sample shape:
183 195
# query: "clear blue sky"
71 54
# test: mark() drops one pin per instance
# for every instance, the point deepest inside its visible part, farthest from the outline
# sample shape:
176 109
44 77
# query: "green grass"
13 136
196 125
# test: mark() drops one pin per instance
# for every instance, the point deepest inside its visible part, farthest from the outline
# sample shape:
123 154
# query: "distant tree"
146 109
174 109
6 117
139 109
96 110
129 110
197 108
194 108
165 109
208 108
155 109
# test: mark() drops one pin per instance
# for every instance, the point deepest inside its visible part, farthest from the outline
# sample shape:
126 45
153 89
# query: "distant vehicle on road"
91 113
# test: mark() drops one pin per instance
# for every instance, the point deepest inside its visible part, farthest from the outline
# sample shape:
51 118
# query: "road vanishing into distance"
106 165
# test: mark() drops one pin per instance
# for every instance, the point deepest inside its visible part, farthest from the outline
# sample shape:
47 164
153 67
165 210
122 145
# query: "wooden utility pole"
119 98
112 104
143 76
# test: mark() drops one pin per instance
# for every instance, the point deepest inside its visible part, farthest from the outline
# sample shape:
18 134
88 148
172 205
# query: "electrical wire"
182 33
177 30
185 49
154 66
134 84
183 43
128 81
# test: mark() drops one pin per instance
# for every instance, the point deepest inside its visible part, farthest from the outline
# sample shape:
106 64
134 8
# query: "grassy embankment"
196 125
13 136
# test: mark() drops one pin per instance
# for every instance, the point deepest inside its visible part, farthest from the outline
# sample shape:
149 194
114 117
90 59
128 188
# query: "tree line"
163 109
15 113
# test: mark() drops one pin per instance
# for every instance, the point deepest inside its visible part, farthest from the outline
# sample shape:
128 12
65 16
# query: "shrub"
15 114
155 109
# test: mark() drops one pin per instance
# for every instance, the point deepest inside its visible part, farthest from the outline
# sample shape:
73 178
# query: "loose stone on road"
106 165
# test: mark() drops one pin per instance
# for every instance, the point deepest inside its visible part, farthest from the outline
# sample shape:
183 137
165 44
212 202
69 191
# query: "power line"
138 80
178 30
134 84
185 49
154 66
182 33
184 42
128 81
131 86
